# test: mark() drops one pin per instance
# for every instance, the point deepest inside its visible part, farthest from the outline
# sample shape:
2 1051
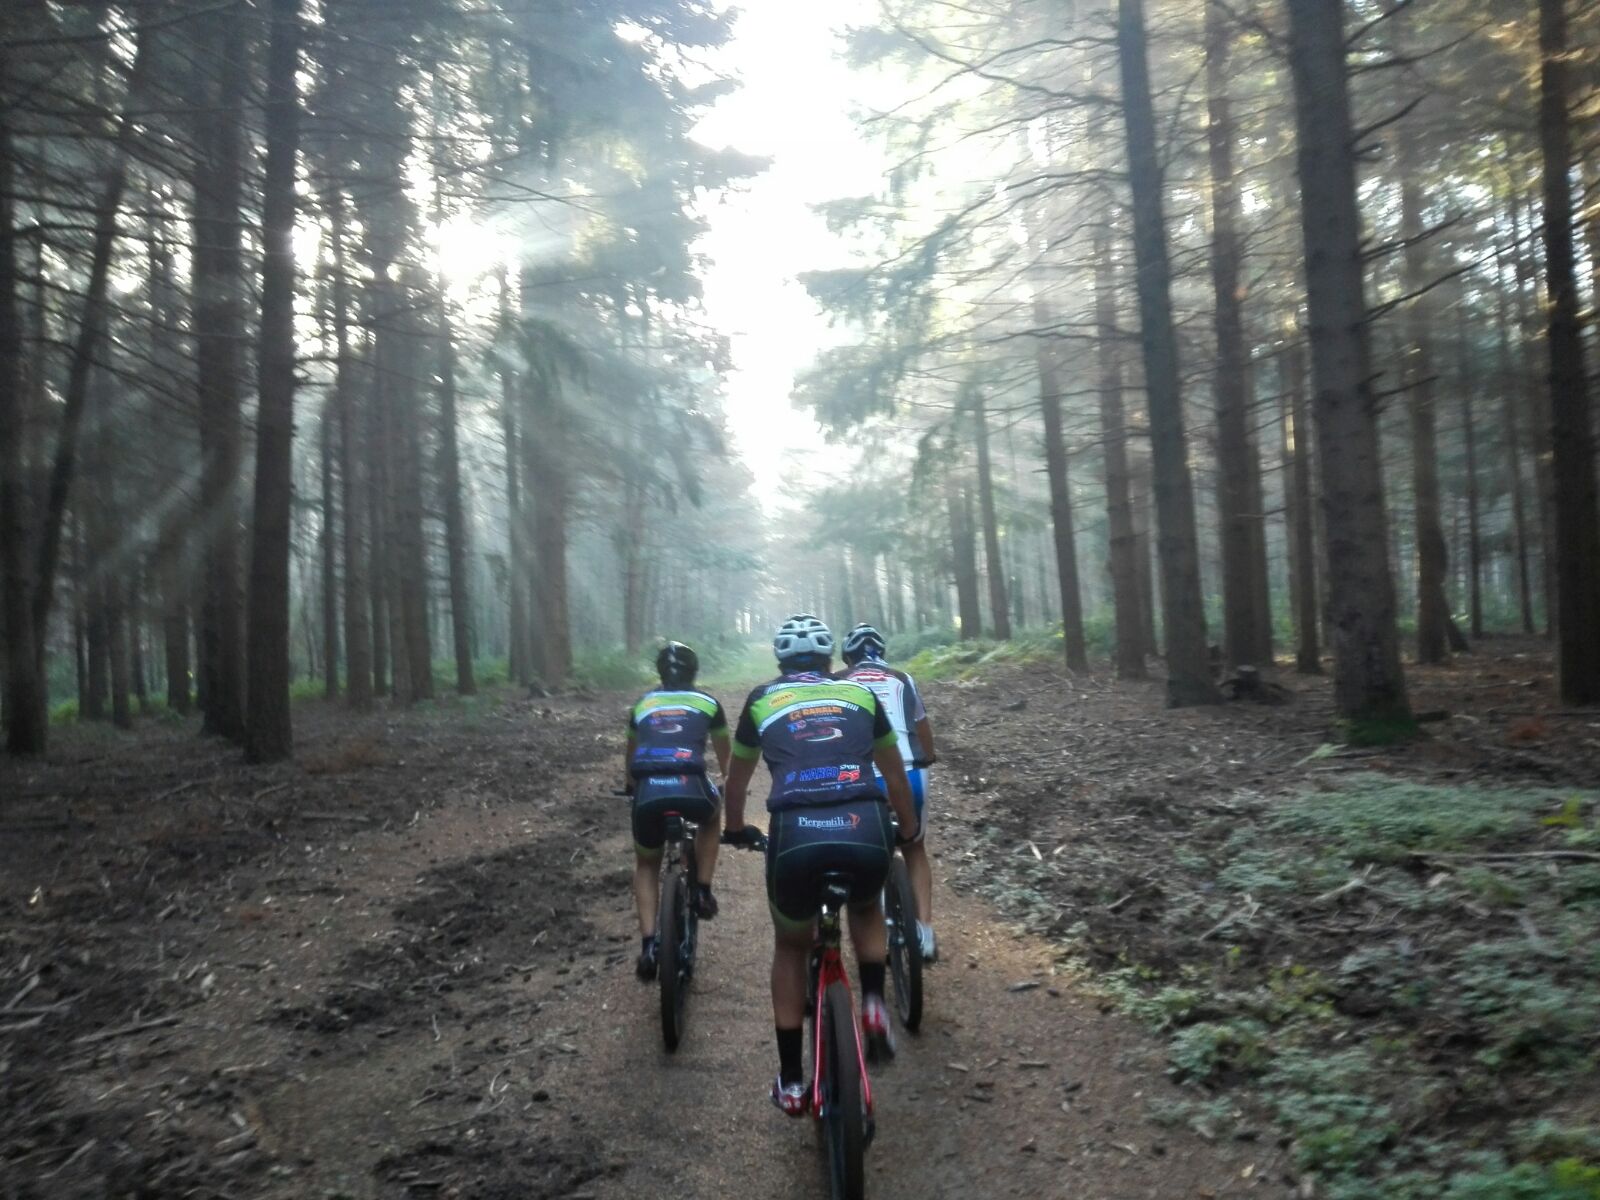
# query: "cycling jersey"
669 728
818 736
897 694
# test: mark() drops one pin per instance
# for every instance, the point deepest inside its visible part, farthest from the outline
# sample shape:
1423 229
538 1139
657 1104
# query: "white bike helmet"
801 636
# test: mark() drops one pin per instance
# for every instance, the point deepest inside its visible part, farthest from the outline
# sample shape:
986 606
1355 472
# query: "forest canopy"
362 347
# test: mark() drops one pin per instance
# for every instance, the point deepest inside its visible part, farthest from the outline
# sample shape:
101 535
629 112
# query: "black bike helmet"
863 642
677 665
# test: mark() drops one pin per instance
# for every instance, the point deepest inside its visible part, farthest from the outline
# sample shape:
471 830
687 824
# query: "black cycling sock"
790 1069
872 976
649 940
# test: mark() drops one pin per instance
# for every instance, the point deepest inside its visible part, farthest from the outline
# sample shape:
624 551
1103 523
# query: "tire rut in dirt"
489 919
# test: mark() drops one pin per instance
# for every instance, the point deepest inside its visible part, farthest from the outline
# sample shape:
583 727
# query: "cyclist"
666 772
819 736
865 664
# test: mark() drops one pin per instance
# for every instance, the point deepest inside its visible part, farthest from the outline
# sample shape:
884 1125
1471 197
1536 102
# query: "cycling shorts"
919 794
854 838
693 797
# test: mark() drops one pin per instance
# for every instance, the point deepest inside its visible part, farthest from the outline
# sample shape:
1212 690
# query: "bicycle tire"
670 966
905 950
844 1118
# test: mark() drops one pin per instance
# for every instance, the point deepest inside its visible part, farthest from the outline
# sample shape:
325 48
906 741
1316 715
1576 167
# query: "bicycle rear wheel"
844 1116
672 970
905 950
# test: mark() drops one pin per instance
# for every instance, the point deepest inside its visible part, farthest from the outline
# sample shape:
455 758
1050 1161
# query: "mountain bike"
841 1094
905 949
677 926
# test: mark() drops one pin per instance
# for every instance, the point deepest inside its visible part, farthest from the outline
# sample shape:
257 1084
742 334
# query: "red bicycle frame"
830 969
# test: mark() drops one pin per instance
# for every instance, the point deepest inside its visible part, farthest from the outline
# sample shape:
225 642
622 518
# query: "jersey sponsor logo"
669 752
659 726
842 821
845 773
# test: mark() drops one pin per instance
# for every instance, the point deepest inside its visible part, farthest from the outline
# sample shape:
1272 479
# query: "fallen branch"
106 1035
1251 907
323 816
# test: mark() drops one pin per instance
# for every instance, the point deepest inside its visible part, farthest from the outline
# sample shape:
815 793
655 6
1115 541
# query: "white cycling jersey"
897 693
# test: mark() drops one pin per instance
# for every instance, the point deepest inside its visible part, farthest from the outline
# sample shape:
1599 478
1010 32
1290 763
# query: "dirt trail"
446 1006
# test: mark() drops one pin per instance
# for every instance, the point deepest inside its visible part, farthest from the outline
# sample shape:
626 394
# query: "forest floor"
1186 954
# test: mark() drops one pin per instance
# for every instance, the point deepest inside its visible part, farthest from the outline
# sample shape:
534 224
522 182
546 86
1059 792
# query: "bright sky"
794 109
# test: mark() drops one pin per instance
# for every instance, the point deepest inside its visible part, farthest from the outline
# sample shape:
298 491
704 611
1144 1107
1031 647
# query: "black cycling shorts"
693 797
802 843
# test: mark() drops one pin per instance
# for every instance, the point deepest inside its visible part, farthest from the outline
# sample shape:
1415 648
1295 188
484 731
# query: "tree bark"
1056 470
1189 679
1369 686
217 284
26 703
999 613
328 544
268 730
1122 553
1512 439
1433 609
455 521
91 330
1302 531
1537 401
1577 513
348 391
964 557
1469 436
1247 624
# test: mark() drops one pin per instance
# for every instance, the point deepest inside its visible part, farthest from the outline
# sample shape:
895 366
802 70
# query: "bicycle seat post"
835 887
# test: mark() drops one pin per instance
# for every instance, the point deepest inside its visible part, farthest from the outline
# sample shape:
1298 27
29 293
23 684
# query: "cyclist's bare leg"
868 934
647 889
706 839
921 873
791 952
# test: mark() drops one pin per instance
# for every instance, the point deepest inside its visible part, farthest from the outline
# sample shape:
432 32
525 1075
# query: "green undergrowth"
1402 976
961 660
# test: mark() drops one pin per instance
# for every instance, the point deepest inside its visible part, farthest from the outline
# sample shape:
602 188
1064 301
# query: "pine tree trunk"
964 556
1189 678
348 394
1469 436
1536 400
268 729
1369 687
1056 471
1247 625
553 645
221 76
455 521
330 554
1433 609
999 613
1577 513
26 705
117 650
1122 554
91 331
1512 438
1301 507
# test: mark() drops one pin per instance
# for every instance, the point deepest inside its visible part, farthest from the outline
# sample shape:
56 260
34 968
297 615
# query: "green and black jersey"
670 728
818 736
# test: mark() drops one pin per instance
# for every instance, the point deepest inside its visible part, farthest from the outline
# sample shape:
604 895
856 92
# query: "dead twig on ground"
106 1035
